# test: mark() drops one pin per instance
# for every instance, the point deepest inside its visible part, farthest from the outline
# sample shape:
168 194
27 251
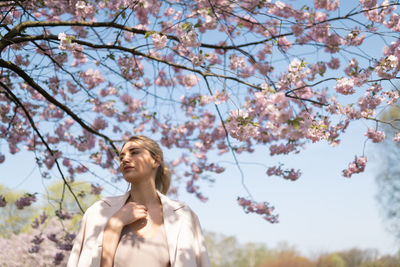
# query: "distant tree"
286 255
356 257
331 260
253 254
388 174
294 261
384 261
227 251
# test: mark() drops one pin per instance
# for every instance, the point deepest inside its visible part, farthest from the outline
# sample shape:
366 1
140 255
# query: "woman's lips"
127 168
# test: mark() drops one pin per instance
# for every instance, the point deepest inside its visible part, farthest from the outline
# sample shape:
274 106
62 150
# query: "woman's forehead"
131 145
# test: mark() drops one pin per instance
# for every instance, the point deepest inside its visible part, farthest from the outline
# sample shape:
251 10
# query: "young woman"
142 227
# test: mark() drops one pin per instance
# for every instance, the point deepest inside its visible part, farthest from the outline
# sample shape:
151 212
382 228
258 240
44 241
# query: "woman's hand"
129 213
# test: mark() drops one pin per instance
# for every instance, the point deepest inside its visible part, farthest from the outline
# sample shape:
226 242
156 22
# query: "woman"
142 227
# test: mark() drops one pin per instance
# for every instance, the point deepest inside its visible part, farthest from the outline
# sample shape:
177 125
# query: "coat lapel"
115 203
172 224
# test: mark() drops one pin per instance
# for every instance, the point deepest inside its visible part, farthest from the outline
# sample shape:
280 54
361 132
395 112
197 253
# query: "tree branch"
14 98
38 88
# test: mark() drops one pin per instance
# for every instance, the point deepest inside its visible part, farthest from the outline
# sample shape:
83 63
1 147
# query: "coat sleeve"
78 243
201 253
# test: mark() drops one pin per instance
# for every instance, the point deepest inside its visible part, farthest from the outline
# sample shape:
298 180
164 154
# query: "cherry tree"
204 77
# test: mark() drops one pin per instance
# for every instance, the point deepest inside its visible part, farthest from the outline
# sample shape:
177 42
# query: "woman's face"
136 163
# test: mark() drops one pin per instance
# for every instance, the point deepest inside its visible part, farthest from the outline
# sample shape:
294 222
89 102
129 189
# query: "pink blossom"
197 60
95 189
99 124
282 149
284 43
357 166
368 4
64 41
128 36
241 126
84 9
188 38
236 62
169 11
261 208
286 174
214 59
92 78
345 86
326 4
354 38
3 201
20 61
393 23
375 136
397 138
297 29
25 201
318 131
369 102
159 40
189 80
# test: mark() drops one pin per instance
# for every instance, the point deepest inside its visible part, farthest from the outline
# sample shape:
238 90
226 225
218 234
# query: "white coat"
184 236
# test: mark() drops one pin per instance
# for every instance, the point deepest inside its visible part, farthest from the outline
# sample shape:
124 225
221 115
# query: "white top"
134 250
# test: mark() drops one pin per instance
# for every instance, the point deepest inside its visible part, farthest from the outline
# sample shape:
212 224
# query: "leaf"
148 34
186 26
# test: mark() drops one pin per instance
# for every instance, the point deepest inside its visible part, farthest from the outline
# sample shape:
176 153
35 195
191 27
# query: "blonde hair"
163 174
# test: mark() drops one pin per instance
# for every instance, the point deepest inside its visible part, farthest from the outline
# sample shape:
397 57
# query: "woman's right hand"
130 213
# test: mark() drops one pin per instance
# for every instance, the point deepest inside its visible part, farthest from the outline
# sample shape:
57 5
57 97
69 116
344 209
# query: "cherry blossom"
25 201
375 136
159 41
261 208
357 166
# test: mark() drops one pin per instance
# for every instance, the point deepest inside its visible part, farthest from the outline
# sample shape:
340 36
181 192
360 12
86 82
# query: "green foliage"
227 251
17 221
54 196
331 260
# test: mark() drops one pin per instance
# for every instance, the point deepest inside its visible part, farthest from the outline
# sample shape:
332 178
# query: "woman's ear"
157 161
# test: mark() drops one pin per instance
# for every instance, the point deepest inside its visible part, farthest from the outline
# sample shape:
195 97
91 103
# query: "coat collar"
119 201
172 221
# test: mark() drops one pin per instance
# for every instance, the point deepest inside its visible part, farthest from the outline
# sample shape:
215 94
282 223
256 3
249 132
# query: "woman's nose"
124 159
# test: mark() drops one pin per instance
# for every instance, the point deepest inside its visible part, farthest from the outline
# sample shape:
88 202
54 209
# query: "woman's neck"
144 194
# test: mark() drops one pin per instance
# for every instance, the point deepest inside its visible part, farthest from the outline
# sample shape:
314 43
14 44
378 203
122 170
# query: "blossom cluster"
291 174
357 166
261 208
25 201
3 201
375 136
